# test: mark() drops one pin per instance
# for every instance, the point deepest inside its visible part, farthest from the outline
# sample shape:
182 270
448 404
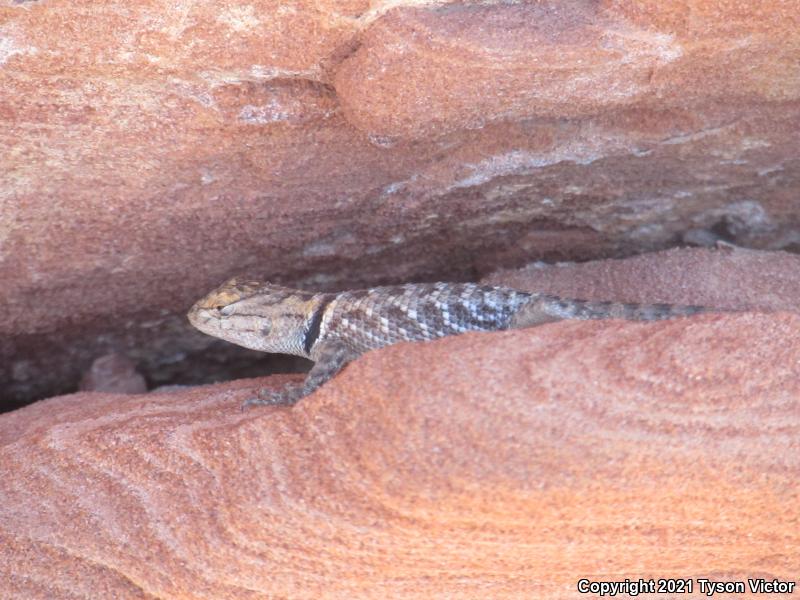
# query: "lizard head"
256 315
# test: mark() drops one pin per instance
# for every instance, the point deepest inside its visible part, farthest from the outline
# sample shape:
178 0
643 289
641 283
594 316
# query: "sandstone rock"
505 465
734 279
507 462
152 149
113 373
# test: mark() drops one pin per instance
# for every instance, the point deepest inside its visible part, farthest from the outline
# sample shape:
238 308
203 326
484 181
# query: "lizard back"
377 317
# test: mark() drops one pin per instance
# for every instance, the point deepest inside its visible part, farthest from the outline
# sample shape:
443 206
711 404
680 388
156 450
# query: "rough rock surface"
495 465
728 278
150 149
113 373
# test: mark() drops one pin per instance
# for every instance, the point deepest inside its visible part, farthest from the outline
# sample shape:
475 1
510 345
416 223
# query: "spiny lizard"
333 329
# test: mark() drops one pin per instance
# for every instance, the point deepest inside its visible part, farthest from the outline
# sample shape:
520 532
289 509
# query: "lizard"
332 329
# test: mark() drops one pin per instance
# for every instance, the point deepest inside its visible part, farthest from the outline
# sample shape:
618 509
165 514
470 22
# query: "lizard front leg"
331 357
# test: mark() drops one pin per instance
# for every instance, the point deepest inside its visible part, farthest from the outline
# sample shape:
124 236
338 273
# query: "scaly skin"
334 329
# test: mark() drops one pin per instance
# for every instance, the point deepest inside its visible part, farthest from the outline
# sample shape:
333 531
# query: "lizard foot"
267 397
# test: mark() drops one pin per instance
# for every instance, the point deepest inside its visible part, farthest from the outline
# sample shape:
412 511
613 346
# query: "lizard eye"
227 311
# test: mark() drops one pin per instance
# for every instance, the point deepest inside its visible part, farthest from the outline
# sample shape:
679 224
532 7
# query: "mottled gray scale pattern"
583 309
334 329
377 317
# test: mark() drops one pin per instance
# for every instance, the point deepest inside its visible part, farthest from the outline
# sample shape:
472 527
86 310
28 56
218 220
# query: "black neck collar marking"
312 333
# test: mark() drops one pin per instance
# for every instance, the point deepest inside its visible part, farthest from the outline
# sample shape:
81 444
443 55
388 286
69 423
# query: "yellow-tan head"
256 315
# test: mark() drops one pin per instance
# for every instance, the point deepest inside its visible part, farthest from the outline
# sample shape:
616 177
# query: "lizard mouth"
202 318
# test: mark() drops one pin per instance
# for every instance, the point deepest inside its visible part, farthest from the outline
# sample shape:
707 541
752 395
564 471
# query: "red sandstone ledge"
510 464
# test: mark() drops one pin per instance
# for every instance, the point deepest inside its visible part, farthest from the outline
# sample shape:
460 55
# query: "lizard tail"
543 308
